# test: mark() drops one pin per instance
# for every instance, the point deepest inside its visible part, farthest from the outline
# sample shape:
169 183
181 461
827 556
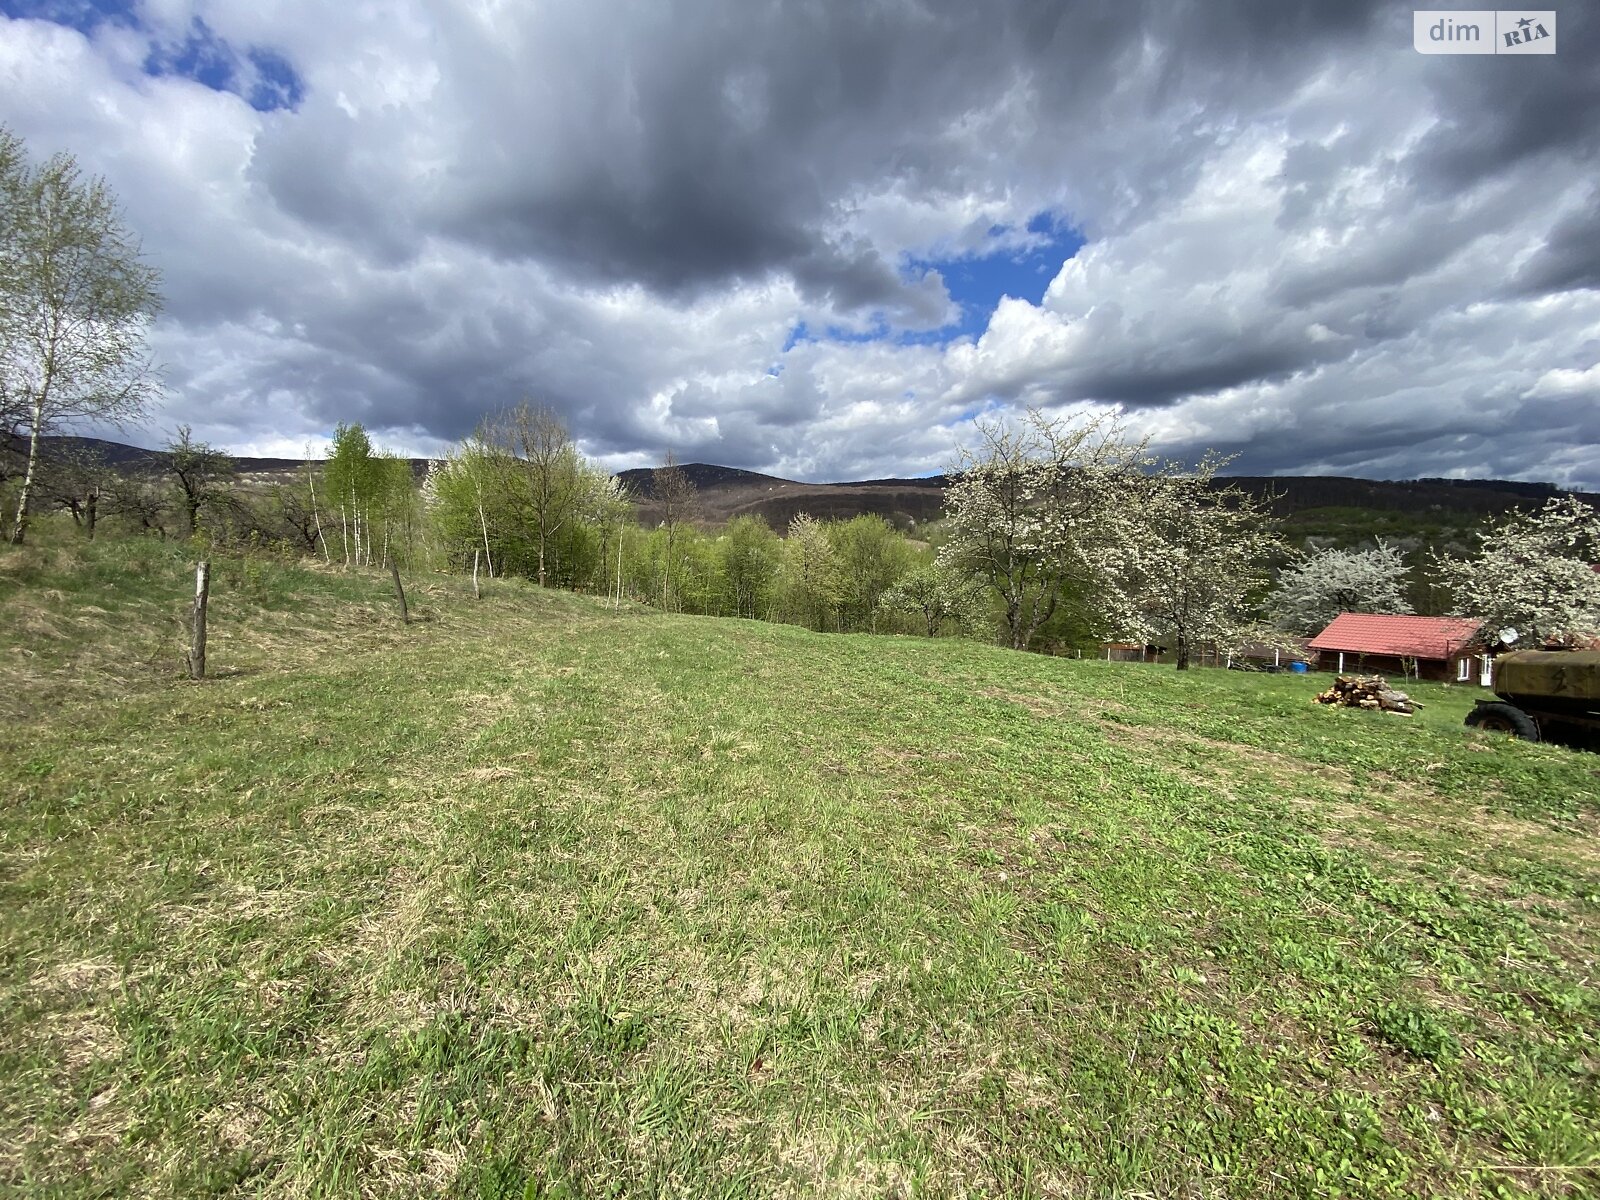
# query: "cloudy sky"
820 237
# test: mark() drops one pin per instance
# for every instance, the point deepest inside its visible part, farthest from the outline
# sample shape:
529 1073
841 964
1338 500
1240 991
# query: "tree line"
520 498
1057 532
1057 535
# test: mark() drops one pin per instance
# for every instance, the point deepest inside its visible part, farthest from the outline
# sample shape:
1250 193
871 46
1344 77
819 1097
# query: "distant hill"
726 493
1326 507
135 458
1331 507
706 477
1298 492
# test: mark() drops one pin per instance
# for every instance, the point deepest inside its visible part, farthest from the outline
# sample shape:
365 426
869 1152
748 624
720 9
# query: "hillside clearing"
539 898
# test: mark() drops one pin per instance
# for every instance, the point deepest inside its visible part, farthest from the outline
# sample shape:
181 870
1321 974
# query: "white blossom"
1533 573
1197 554
1311 593
1041 509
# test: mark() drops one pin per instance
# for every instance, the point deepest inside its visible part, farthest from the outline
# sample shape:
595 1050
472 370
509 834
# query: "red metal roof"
1414 637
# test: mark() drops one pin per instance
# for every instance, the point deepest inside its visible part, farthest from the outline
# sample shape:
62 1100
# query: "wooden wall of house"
1435 669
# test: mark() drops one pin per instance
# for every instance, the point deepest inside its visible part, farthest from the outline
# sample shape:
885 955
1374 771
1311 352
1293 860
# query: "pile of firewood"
1368 691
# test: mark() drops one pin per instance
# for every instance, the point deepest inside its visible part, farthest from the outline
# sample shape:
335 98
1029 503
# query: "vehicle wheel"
1504 718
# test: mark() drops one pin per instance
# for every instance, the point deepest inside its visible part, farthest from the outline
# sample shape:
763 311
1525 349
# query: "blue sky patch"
834 333
262 77
1015 262
202 56
977 281
276 85
83 15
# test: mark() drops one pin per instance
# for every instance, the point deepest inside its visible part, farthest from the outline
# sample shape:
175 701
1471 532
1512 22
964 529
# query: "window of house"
1464 670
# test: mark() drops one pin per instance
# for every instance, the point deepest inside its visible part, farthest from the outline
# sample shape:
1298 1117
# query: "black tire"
1504 718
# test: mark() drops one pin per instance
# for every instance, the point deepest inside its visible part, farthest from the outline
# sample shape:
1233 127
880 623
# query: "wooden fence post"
476 595
399 592
197 643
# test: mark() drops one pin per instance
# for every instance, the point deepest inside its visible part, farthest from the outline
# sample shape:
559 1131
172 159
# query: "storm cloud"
807 238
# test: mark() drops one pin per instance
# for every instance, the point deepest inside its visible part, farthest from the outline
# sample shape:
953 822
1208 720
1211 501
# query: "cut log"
1371 692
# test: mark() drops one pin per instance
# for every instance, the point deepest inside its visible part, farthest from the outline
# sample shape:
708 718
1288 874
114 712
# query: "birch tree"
1312 592
374 493
351 485
1037 510
559 517
1533 573
609 507
76 302
555 483
677 501
531 443
467 501
316 511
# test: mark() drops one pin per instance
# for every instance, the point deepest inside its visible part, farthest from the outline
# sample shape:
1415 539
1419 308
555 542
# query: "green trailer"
1544 695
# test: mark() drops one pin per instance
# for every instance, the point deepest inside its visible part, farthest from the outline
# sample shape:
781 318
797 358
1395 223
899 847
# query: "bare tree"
200 469
76 300
142 501
71 476
678 502
295 510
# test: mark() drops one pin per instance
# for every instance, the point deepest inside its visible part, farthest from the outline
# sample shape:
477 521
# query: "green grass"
533 898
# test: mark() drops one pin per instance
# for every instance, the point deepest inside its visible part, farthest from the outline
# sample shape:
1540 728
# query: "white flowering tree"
1533 573
1038 510
1312 592
608 506
810 579
939 596
1197 554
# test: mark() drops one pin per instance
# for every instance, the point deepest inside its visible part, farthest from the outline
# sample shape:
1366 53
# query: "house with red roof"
1451 649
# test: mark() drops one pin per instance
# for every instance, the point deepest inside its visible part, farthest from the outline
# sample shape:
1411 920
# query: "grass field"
532 898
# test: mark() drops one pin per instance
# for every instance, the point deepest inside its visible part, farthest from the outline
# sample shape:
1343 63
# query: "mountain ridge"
728 492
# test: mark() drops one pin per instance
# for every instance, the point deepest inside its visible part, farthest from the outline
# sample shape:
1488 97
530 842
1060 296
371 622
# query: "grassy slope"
533 898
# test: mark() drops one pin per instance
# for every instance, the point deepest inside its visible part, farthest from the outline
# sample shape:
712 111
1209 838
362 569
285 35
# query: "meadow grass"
534 897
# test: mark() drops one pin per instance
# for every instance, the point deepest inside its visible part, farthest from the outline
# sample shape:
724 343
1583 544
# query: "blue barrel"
1299 668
